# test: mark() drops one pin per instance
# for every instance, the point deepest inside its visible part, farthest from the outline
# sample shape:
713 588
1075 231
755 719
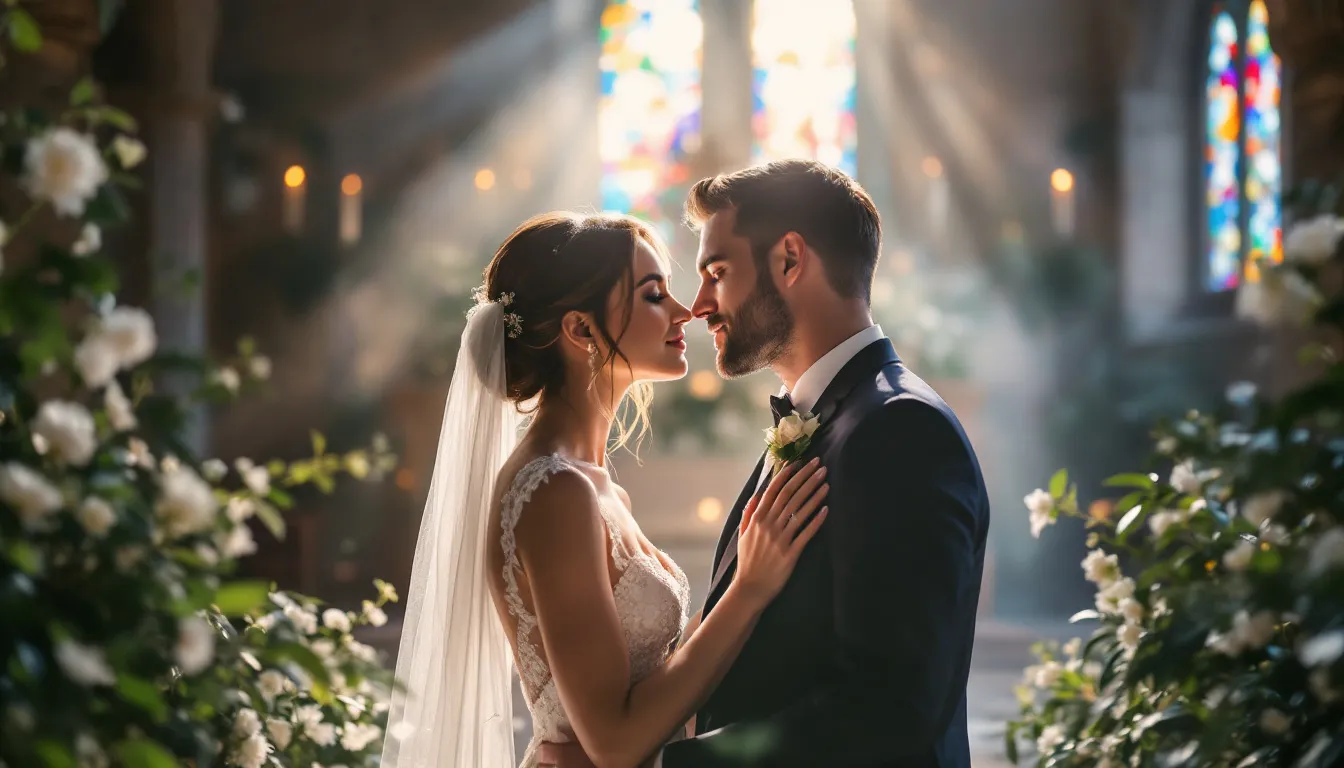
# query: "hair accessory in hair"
513 322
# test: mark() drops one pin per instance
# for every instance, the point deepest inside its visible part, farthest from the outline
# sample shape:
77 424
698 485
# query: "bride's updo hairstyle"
561 262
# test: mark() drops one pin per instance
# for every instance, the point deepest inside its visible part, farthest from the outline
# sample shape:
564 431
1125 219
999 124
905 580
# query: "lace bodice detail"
652 604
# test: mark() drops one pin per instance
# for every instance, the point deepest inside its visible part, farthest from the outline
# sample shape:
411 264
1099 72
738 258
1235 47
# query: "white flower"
1274 534
4 238
1046 675
323 647
96 360
356 736
231 109
1263 506
28 493
246 723
64 168
1100 568
1160 521
227 378
281 732
256 478
130 152
1327 552
1167 445
260 367
90 241
375 615
1251 631
1322 649
304 621
1129 635
240 509
186 504
1184 479
1280 296
336 619
1313 241
89 753
127 557
271 684
1274 722
208 555
238 542
1238 558
1072 647
83 664
214 470
131 333
69 429
308 716
1051 737
1109 598
251 752
97 516
1319 682
1132 610
322 734
119 411
361 651
1041 505
195 648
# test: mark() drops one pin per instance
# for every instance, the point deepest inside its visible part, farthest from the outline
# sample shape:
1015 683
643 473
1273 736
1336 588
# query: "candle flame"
295 176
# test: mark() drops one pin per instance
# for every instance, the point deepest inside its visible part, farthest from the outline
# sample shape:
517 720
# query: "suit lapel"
868 360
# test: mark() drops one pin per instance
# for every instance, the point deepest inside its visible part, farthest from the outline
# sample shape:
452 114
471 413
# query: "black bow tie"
781 407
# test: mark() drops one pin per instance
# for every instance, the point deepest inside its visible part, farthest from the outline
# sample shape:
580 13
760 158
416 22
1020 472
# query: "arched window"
1242 158
804 85
649 114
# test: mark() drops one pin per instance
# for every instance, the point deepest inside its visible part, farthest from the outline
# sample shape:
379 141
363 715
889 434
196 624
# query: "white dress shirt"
808 389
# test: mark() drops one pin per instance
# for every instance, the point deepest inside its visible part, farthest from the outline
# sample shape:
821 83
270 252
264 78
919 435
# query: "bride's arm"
563 547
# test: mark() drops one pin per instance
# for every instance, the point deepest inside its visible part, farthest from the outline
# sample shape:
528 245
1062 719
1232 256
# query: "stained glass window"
804 85
1262 143
1242 154
1222 154
649 113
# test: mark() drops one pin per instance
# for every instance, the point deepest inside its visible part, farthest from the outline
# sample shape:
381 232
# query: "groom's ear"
794 254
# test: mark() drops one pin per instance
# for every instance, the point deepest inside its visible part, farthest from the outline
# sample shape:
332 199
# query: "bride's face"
654 341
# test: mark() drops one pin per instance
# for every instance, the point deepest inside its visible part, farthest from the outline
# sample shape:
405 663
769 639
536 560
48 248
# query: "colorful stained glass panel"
649 113
1222 155
1263 132
804 85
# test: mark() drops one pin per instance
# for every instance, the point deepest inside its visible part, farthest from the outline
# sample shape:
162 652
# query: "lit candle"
295 191
1061 202
937 197
351 219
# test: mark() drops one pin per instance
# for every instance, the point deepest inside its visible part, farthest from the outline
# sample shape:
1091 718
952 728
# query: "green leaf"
1059 482
1127 523
25 556
241 597
310 663
117 118
108 207
1084 616
1010 743
319 443
271 518
144 695
1130 480
23 31
54 754
83 92
144 753
108 10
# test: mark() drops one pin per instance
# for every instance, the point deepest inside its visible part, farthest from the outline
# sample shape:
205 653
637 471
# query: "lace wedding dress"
652 604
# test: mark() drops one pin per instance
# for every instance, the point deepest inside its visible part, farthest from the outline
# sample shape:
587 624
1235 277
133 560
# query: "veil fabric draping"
453 704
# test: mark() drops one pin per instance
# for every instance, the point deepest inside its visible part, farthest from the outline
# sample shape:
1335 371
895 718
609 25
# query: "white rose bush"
1219 613
127 637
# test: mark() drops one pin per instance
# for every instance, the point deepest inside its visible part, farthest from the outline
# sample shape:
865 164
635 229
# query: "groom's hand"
569 755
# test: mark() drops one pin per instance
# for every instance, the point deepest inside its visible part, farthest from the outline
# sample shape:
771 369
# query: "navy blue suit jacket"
862 659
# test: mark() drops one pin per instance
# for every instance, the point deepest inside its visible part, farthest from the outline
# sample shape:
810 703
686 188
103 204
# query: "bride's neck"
578 421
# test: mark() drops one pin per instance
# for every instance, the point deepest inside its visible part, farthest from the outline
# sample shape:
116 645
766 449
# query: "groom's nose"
704 304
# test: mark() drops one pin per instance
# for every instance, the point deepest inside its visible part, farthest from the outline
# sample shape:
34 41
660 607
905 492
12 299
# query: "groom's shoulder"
895 396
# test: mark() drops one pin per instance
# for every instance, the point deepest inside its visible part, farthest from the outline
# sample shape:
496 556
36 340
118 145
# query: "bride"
528 551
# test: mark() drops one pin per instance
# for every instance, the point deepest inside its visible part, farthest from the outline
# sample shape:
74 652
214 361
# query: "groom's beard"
758 333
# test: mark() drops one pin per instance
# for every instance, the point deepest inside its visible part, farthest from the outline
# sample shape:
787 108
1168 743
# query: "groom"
862 659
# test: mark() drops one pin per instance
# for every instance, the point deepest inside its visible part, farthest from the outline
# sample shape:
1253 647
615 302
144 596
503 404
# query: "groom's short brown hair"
830 210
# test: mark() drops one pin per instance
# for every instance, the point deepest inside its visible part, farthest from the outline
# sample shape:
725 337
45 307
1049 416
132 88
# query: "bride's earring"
593 361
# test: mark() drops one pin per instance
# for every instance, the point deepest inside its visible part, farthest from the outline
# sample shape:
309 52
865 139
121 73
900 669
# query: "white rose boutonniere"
791 438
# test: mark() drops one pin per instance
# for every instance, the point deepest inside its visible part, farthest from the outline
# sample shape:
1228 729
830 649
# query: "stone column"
179 107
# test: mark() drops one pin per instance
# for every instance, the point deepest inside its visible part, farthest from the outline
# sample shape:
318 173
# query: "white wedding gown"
652 604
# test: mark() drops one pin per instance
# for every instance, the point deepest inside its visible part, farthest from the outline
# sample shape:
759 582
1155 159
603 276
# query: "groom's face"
738 300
